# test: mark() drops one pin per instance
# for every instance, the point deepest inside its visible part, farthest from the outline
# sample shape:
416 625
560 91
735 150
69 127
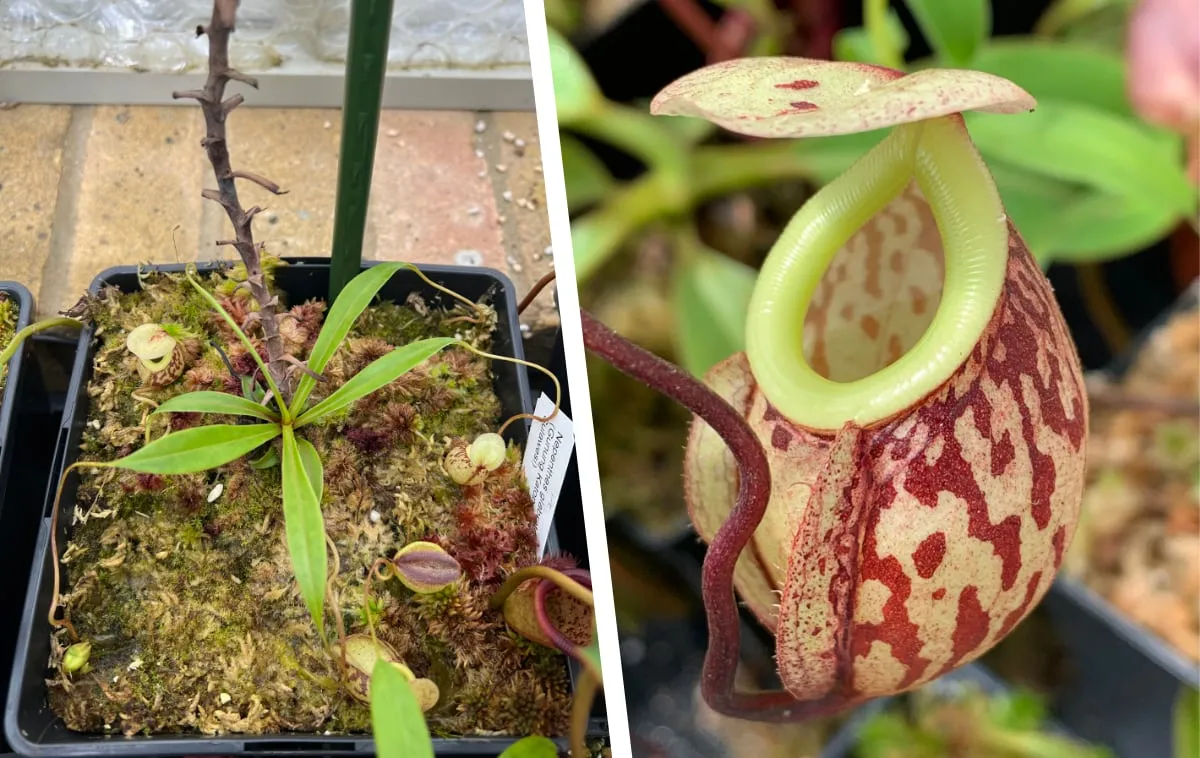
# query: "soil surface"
183 584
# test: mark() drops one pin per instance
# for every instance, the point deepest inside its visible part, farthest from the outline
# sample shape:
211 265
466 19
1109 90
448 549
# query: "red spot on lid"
804 105
929 554
798 84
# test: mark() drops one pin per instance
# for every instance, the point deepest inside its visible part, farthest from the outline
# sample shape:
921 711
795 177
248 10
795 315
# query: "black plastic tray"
1125 677
32 729
12 386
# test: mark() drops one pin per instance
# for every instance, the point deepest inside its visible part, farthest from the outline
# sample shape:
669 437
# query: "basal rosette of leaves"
209 534
894 466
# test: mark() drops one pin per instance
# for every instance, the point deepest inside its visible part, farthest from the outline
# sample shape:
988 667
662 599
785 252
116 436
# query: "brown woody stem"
754 491
215 109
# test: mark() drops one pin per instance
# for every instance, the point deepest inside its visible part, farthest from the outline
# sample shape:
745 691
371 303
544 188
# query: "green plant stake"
366 66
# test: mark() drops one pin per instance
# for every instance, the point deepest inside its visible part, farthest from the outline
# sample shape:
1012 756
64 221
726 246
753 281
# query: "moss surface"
191 606
10 310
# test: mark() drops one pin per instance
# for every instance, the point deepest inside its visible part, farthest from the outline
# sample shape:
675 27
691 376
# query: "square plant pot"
12 386
33 729
1126 679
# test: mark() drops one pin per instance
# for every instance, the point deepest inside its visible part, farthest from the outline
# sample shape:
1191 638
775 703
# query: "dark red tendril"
754 490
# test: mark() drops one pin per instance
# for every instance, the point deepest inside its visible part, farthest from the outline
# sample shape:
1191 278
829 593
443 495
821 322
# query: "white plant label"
547 454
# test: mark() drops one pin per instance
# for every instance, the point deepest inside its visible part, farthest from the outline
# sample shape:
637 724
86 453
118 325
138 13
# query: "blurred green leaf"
1100 227
687 130
711 297
397 723
1187 723
575 93
304 528
1082 144
531 747
587 179
854 44
953 28
1018 711
198 449
1065 71
1066 13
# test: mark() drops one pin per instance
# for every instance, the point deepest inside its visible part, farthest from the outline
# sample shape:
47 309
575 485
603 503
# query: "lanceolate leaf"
1060 71
215 402
531 747
355 297
1081 144
397 723
198 449
954 28
381 371
799 97
312 467
305 529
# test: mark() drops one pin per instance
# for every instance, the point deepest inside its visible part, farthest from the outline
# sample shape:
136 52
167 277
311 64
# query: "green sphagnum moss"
191 606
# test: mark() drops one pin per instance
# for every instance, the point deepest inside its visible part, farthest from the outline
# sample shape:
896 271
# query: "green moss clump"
191 606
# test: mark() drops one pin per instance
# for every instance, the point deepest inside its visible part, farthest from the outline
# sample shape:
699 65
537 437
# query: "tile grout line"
52 293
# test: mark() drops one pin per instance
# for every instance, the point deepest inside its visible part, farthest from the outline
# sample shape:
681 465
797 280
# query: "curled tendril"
717 683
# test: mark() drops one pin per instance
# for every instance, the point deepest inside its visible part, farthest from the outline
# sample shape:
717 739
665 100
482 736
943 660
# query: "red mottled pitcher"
911 380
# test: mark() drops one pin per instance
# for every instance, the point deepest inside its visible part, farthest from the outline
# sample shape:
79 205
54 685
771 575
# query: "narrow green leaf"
305 529
198 449
588 181
207 401
355 297
531 747
711 297
1187 723
1063 14
269 459
312 467
397 723
381 371
953 28
1081 144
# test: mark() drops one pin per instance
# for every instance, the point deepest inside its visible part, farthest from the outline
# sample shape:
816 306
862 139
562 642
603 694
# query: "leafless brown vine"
216 109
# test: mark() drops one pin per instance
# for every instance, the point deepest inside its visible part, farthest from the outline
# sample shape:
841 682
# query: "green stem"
520 576
875 19
366 66
11 348
599 234
581 710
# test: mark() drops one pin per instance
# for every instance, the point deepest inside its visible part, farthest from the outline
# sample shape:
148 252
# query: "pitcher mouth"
939 156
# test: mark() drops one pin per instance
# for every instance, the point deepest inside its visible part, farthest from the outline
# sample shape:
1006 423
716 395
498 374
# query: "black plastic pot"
32 729
12 386
1125 678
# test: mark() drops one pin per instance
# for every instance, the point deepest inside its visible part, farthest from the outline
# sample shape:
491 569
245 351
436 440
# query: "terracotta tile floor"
87 187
